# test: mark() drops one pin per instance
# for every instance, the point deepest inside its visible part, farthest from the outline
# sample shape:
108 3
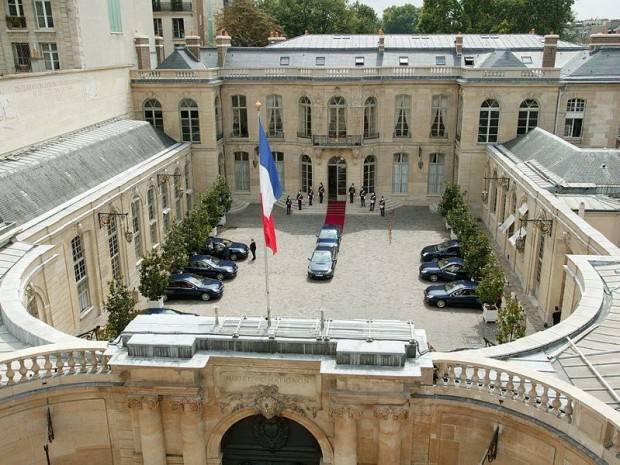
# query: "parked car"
443 250
226 249
329 235
211 267
191 286
446 269
322 263
165 311
455 294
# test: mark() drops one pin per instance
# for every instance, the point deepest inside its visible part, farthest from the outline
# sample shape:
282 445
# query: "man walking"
321 192
362 197
253 249
351 192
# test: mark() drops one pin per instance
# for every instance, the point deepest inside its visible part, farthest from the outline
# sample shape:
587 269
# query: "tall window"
189 194
43 10
306 173
152 210
158 27
370 118
435 173
278 158
219 132
337 117
513 211
274 116
79 271
242 171
178 196
178 28
494 193
15 8
528 116
153 113
190 122
305 117
137 228
240 116
21 57
575 110
400 173
488 124
114 16
539 263
50 56
221 165
113 249
459 119
370 173
402 116
439 110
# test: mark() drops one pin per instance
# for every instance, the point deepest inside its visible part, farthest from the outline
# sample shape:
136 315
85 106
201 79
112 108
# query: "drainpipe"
561 91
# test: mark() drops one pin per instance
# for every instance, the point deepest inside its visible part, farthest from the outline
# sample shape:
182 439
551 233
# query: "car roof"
466 283
185 276
456 260
199 257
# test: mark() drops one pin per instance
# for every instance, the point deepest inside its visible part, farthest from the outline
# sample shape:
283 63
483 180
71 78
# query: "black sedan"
443 250
226 249
191 286
446 269
322 263
165 311
329 235
454 294
211 267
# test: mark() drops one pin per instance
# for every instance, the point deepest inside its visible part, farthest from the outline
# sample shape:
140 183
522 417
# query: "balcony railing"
16 22
304 135
172 6
371 135
333 141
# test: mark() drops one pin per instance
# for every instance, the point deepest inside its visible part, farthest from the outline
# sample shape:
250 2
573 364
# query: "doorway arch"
337 179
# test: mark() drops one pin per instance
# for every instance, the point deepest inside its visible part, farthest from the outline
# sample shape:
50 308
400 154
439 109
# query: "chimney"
222 42
159 49
458 44
381 41
275 37
609 40
142 51
551 48
192 43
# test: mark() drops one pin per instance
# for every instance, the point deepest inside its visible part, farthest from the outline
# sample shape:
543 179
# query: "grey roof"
40 179
598 203
572 166
502 59
604 62
180 58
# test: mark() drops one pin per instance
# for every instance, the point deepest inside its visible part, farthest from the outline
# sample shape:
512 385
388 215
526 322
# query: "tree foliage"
362 19
441 17
476 251
452 198
401 19
120 307
153 276
491 287
246 24
511 322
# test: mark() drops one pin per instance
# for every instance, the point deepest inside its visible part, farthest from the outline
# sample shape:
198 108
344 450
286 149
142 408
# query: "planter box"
155 303
489 313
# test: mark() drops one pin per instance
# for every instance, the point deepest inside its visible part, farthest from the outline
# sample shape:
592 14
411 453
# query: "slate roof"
36 181
502 59
569 166
604 62
180 58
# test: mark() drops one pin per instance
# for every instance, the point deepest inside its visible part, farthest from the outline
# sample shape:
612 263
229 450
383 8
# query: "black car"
191 286
329 235
165 311
226 249
446 269
454 294
322 263
211 267
443 250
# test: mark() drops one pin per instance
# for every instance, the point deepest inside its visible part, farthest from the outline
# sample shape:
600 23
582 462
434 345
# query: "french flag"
270 189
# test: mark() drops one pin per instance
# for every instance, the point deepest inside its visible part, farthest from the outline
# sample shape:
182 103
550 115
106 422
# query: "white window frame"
190 120
136 224
400 173
43 11
402 116
439 112
436 170
337 117
153 113
305 117
178 28
370 118
575 113
488 121
306 172
152 215
240 116
528 116
242 171
49 51
80 271
275 126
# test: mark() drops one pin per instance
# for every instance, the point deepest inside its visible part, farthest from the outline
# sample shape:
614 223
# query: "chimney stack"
609 40
192 43
458 44
381 41
159 49
141 44
551 48
275 37
222 42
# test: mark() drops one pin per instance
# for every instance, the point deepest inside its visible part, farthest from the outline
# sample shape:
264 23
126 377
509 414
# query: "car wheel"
441 303
205 296
233 256
219 276
433 277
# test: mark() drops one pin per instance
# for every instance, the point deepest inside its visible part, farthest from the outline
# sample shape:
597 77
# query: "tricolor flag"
270 189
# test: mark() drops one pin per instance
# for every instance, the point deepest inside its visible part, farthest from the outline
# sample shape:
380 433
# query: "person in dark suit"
373 199
321 192
300 199
310 196
362 197
382 206
253 249
289 204
351 192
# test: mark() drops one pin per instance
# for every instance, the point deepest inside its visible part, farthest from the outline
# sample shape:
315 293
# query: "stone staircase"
352 208
238 205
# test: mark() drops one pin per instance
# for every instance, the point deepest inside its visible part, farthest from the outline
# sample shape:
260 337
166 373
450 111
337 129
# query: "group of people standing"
321 190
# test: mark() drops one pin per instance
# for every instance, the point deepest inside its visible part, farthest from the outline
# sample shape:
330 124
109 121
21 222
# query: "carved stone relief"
393 413
345 411
267 401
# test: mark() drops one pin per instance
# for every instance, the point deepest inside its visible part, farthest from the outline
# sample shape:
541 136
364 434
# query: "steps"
351 208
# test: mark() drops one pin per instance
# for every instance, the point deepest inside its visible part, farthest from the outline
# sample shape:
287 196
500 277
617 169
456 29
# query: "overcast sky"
584 9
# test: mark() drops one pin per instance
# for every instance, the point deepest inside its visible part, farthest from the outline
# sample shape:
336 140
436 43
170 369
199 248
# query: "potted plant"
491 289
153 279
511 322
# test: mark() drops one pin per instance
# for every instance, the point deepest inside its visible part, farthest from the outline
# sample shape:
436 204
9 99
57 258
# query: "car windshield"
193 281
328 234
443 262
443 246
215 260
321 256
226 242
449 287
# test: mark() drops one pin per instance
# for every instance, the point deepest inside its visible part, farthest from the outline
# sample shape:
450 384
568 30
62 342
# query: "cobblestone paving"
376 275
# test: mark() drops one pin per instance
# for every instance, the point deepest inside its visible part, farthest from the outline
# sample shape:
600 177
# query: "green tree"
316 17
440 17
222 193
491 287
362 19
246 24
153 276
476 252
120 307
452 198
511 322
175 249
401 19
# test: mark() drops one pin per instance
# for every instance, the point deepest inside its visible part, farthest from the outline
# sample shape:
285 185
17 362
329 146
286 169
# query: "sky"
584 9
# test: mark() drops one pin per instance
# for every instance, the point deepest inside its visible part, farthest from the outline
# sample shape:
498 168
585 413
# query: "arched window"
278 158
513 212
165 204
575 111
190 122
136 224
153 113
275 128
80 273
240 116
306 173
113 248
402 116
218 118
370 119
189 197
370 173
178 196
242 171
528 116
337 117
435 173
400 173
151 207
305 117
439 111
488 124
494 192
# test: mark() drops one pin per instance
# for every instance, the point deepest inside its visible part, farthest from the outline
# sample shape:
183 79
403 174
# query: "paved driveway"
376 275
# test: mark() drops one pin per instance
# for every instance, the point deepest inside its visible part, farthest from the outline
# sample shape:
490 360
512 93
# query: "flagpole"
265 254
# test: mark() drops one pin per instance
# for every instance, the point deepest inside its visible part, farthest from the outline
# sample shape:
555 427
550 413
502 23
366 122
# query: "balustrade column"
151 429
345 434
389 434
192 431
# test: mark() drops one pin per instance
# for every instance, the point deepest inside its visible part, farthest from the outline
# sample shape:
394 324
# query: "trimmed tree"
491 286
153 276
511 322
120 307
476 252
174 250
451 199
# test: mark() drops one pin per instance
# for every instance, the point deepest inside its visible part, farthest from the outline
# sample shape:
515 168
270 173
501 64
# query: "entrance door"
337 179
278 441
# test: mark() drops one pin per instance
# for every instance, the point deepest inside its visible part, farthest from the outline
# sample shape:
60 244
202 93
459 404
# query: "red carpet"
335 213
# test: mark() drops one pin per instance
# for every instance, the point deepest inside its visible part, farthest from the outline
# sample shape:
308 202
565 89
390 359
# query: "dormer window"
359 61
284 61
469 61
527 60
403 61
440 60
320 61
